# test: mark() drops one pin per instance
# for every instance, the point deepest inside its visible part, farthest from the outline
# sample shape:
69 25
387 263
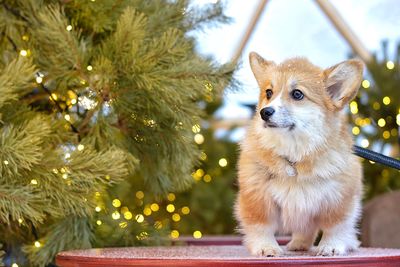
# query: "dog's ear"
259 66
343 80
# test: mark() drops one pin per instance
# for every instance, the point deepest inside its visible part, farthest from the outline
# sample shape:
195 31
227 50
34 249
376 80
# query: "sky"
290 28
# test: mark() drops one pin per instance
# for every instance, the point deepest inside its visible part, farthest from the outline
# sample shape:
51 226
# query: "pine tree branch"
13 11
14 45
21 202
87 119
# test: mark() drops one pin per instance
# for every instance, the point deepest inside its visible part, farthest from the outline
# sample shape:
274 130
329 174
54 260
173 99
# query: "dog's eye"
268 92
297 94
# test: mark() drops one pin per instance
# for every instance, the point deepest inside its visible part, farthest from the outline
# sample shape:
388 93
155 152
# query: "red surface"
220 240
234 255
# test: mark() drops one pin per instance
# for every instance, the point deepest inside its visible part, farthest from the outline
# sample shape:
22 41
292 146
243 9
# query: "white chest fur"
301 199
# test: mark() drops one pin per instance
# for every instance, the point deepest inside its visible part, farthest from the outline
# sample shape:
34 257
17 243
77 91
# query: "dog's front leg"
259 222
341 238
260 240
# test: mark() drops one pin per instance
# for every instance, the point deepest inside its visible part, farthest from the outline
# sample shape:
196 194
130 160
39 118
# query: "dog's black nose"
266 113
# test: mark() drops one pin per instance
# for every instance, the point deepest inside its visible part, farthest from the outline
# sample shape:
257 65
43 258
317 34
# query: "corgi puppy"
296 170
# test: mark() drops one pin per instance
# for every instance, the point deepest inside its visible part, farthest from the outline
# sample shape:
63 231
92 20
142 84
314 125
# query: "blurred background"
118 168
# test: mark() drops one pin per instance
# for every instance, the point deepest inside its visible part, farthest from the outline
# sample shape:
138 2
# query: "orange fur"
267 194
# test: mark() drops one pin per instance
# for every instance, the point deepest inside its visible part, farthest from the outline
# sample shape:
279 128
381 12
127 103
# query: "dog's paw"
336 249
298 245
266 251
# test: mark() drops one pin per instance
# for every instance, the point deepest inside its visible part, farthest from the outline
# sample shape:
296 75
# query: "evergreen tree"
97 105
207 208
375 114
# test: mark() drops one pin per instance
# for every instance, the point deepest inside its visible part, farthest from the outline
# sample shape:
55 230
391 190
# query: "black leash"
376 157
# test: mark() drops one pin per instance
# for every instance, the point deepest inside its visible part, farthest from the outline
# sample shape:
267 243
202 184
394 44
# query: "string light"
73 101
196 128
23 53
69 28
98 222
381 122
158 225
390 65
14 265
174 234
139 218
386 134
386 100
199 139
203 156
356 130
376 105
176 217
353 107
364 143
116 215
223 162
67 155
185 210
147 211
170 208
39 80
20 220
97 209
5 162
171 197
65 176
207 178
154 207
89 68
34 182
128 215
67 117
139 194
398 119
149 123
198 174
366 84
116 203
37 244
123 224
80 147
197 234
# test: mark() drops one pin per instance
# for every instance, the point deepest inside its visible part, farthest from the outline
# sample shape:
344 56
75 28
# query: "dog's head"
300 102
